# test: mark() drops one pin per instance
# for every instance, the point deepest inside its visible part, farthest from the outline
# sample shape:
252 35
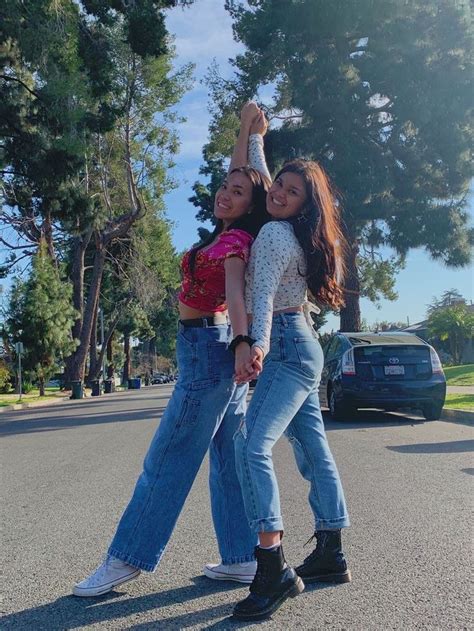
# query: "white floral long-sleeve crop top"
274 278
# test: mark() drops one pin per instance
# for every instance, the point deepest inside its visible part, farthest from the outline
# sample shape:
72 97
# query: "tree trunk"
153 354
127 363
78 359
47 233
41 386
94 365
110 357
79 248
350 314
107 336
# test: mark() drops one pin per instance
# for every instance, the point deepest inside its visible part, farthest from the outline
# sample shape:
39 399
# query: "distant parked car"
388 371
161 378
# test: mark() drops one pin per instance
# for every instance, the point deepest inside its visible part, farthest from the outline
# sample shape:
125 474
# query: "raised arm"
239 156
256 155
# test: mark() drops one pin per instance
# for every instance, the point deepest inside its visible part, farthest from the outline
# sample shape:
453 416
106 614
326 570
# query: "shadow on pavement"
53 424
70 612
370 419
450 447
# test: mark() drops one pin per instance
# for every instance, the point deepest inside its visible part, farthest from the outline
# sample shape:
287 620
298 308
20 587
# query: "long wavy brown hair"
319 231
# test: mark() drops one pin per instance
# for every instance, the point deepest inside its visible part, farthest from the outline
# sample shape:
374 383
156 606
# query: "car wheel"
432 411
339 410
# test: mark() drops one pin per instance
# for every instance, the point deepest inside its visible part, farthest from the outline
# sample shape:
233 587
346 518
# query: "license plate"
394 370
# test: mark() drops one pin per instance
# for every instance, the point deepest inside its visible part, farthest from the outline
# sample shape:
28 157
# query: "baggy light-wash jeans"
286 401
204 411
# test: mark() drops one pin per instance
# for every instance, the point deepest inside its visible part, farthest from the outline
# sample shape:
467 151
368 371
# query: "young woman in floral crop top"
299 250
206 407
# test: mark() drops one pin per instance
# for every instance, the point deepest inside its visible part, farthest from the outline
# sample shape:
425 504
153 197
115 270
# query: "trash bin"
77 390
108 386
95 385
135 383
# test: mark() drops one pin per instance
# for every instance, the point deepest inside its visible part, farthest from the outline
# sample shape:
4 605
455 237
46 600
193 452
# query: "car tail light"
348 363
436 366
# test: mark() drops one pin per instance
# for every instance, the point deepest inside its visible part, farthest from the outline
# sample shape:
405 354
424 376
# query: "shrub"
5 377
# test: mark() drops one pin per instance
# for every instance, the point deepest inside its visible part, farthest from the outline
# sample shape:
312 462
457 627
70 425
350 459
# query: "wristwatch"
240 338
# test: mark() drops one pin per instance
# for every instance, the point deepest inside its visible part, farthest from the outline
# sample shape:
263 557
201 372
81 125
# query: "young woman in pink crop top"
206 407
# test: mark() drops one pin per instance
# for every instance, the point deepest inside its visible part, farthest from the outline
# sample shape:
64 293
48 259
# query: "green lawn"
11 399
460 375
460 402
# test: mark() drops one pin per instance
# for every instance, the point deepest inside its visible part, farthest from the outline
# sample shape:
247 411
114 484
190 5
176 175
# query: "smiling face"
233 199
287 196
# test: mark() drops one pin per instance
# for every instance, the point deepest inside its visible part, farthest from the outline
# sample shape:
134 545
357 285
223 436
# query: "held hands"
248 363
249 111
259 124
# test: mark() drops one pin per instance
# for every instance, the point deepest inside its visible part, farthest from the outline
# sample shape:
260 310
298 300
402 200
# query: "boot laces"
319 543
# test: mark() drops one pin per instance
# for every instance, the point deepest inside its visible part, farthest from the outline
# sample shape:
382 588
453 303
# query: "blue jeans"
204 411
286 401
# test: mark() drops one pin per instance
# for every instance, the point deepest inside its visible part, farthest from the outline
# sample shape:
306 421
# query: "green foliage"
27 386
377 277
40 315
454 324
5 377
448 298
385 325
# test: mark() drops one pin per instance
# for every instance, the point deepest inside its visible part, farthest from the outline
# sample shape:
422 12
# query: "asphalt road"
68 471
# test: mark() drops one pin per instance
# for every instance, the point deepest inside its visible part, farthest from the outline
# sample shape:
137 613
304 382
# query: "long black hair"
318 229
251 222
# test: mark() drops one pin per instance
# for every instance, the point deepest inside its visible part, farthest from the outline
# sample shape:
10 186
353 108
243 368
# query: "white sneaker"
111 573
240 572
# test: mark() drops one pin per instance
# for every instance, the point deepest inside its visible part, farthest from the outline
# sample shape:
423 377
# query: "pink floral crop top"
205 288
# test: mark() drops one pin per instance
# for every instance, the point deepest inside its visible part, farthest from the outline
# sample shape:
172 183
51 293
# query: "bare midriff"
188 313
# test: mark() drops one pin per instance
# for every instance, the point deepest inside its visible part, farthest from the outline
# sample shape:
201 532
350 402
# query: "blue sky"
204 32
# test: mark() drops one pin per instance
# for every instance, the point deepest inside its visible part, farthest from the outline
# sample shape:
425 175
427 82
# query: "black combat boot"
274 582
326 563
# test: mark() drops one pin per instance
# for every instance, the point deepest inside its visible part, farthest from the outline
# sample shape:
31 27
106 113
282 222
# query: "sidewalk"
460 389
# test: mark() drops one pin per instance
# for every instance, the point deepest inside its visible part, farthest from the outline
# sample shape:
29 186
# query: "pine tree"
41 316
86 103
380 93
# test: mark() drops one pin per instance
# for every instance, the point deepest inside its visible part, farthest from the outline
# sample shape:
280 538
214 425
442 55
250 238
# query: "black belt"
205 321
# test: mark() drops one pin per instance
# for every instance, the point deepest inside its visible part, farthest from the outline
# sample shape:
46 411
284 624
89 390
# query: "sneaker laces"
98 574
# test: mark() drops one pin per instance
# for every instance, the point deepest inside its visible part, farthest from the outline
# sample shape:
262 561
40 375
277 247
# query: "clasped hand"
248 363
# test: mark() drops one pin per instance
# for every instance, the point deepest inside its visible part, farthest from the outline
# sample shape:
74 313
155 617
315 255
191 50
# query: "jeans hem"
128 558
267 524
242 559
332 524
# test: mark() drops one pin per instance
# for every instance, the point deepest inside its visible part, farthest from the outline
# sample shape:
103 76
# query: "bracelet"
238 339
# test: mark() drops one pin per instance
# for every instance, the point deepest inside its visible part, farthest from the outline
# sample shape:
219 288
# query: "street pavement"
68 471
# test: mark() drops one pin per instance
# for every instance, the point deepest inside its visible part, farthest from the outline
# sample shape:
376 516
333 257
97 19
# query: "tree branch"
22 83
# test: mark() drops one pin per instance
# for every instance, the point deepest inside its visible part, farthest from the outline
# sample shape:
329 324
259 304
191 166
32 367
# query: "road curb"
32 404
66 399
458 416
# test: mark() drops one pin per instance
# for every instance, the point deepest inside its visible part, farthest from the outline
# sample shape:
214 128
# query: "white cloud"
203 31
